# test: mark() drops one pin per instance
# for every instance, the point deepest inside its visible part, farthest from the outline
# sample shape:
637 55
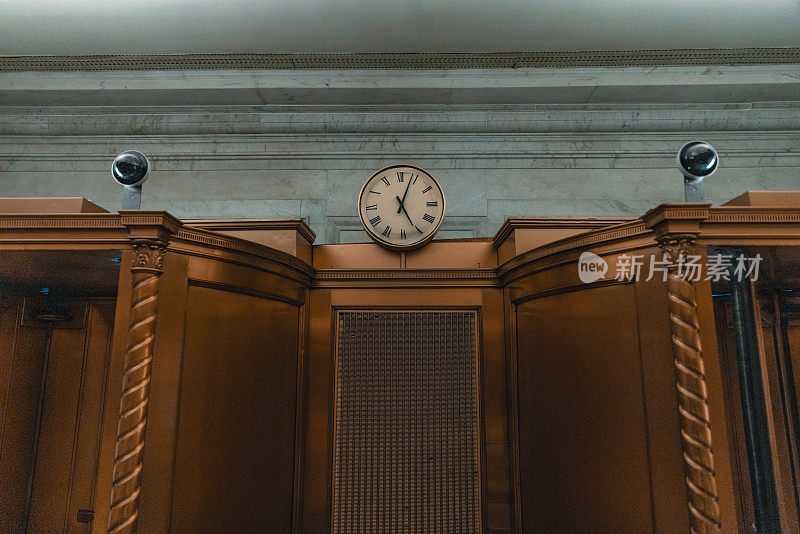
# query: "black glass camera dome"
130 168
697 159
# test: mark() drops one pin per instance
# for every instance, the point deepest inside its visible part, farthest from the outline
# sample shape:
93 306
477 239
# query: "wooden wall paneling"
583 443
93 393
69 428
317 464
24 357
493 375
157 469
723 454
510 326
300 418
236 277
667 485
116 367
237 402
57 430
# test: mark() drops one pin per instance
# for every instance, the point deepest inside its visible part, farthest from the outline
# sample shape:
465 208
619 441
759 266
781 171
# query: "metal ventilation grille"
406 449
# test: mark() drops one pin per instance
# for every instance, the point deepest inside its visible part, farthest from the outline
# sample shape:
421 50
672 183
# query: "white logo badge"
591 267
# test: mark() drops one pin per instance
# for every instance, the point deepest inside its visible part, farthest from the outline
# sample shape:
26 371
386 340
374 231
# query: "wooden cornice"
710 225
150 225
59 230
521 223
206 239
630 232
217 225
669 219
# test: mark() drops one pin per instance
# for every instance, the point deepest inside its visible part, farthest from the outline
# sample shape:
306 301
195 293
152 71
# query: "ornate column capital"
677 246
148 256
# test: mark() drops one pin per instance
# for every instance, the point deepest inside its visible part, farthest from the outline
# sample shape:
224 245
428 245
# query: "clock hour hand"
403 208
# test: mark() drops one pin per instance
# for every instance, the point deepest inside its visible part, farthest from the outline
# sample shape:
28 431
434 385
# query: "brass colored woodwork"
146 268
690 375
609 406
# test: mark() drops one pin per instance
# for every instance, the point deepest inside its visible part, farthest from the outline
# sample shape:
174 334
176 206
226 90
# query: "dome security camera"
697 160
130 168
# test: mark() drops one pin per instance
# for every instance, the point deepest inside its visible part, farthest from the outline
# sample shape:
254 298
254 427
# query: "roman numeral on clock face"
428 217
402 233
375 220
384 180
372 207
414 180
426 189
434 203
399 176
387 231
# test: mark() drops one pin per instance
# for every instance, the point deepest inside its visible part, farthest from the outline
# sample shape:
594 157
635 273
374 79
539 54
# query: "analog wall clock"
401 207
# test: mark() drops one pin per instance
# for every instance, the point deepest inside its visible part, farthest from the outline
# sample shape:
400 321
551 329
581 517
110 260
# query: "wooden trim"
241 290
220 241
406 277
568 289
524 223
216 225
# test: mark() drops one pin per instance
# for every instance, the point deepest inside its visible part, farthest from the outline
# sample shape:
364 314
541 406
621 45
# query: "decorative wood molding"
757 215
61 221
216 225
148 257
156 226
519 266
676 218
295 267
400 277
470 60
589 223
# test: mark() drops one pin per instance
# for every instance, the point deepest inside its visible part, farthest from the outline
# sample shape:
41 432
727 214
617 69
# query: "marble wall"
493 161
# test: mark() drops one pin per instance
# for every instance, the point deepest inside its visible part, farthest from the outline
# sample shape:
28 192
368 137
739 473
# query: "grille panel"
406 439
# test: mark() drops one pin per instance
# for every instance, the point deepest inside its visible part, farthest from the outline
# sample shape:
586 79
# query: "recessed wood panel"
582 436
55 379
234 459
69 426
406 426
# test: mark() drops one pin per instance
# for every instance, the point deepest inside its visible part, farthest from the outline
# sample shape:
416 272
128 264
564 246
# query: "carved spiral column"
698 456
126 485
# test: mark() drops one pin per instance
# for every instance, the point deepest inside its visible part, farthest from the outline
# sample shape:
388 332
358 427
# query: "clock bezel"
394 246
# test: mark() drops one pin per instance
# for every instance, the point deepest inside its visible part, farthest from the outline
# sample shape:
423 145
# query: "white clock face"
401 207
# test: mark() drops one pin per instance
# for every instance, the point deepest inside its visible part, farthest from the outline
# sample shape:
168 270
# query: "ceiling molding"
597 58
